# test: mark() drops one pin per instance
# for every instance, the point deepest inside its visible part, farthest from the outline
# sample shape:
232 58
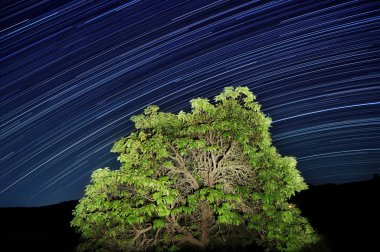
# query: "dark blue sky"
73 73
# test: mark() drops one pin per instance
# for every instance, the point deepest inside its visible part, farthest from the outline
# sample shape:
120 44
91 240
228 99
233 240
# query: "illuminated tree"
203 179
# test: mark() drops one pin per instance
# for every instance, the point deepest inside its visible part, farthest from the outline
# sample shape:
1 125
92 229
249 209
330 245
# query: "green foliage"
201 179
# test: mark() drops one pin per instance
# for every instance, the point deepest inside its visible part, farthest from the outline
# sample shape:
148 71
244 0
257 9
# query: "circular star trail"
73 73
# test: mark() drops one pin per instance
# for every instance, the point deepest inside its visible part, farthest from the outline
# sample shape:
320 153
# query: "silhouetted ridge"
44 228
346 215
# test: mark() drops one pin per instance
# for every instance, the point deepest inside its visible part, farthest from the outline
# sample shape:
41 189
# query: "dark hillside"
38 228
347 216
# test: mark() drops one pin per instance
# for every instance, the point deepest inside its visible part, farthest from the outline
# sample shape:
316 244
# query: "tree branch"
140 232
190 178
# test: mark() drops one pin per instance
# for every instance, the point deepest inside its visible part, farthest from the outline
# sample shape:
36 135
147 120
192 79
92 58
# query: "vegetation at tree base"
204 179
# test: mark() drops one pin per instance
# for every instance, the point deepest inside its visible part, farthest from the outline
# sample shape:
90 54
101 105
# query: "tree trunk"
206 221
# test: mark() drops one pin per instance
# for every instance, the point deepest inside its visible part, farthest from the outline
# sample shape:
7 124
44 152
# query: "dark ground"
346 216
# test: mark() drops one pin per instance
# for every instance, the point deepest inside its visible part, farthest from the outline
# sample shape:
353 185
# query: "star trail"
73 73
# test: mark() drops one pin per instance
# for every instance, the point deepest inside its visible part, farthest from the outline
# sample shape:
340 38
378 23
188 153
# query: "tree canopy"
203 179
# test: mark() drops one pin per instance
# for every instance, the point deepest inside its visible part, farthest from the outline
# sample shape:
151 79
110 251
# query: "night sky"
74 72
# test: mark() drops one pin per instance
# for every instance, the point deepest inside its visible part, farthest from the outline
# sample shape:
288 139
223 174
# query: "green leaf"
132 219
158 223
